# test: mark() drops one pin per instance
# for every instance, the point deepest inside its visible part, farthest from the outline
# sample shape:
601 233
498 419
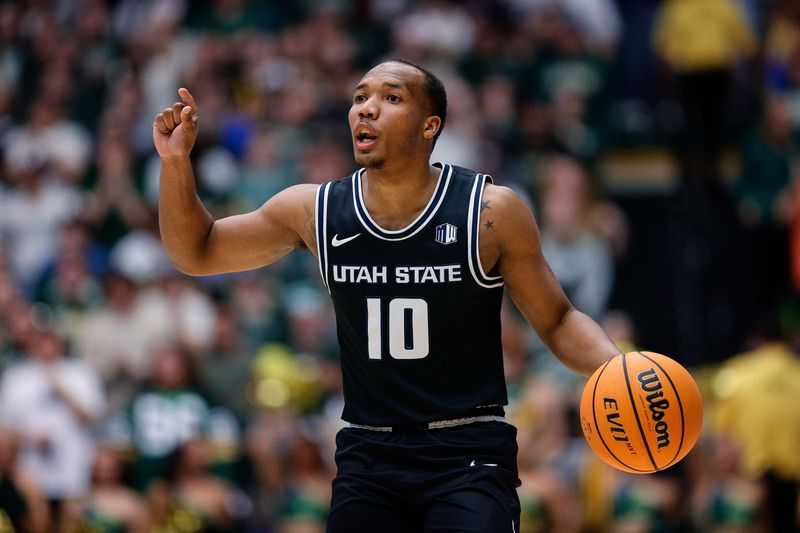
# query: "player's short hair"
436 93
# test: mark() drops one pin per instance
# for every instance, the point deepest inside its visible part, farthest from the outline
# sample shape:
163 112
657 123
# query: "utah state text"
401 274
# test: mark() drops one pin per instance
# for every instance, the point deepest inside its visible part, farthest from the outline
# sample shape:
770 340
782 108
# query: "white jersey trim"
427 214
321 227
473 233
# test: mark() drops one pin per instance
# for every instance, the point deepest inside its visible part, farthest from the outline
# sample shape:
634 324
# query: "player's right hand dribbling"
175 128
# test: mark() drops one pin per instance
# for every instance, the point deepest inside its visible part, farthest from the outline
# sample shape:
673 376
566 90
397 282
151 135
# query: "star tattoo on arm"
489 225
484 205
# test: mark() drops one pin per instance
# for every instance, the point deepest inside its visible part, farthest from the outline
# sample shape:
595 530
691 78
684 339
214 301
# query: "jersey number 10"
408 328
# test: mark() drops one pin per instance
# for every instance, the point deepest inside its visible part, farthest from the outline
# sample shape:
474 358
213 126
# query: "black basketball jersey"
418 320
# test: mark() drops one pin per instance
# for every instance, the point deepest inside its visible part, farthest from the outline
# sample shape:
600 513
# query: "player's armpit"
253 240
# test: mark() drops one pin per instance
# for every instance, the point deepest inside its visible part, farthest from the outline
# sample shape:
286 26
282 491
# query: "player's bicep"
255 239
528 278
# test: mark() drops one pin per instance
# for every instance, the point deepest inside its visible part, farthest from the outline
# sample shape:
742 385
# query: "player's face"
389 115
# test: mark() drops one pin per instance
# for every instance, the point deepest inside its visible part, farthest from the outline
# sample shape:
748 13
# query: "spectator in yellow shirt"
757 405
701 41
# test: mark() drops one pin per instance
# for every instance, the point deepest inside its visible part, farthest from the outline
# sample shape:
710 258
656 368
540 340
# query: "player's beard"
375 163
368 161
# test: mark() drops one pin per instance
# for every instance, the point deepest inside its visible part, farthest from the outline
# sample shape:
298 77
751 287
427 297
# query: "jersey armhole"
473 232
321 227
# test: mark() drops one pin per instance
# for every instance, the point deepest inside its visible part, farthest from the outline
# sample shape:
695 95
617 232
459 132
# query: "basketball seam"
597 426
680 407
636 413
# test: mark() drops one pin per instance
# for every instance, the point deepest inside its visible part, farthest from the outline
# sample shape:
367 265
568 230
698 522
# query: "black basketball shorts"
459 479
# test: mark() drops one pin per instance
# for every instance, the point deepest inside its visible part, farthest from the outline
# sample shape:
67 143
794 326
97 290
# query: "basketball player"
415 257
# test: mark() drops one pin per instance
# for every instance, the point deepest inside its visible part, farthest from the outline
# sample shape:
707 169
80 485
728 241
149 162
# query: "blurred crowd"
656 141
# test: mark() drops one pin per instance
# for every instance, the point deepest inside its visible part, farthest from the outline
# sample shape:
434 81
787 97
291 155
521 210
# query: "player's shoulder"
476 175
291 198
506 212
291 207
339 187
302 189
501 197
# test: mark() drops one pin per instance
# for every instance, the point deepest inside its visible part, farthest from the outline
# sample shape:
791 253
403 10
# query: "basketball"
641 412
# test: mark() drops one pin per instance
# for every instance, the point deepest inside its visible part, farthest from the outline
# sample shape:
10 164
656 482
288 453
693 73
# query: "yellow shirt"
759 405
702 34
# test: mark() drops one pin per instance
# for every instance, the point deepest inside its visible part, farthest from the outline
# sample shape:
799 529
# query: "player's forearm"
184 222
580 343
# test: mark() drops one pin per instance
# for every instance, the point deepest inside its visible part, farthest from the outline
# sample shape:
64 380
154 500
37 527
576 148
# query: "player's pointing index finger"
187 98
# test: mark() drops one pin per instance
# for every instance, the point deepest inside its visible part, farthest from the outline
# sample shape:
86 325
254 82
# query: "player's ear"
431 126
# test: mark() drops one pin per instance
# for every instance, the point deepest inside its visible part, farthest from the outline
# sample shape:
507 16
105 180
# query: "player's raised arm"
509 233
196 243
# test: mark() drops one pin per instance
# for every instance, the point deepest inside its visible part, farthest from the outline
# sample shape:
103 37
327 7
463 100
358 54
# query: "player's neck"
394 196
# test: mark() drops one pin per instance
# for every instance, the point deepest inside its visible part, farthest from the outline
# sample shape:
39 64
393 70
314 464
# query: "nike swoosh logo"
483 464
336 241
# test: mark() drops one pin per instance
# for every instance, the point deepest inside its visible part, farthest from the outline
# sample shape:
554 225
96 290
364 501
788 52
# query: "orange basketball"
641 412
